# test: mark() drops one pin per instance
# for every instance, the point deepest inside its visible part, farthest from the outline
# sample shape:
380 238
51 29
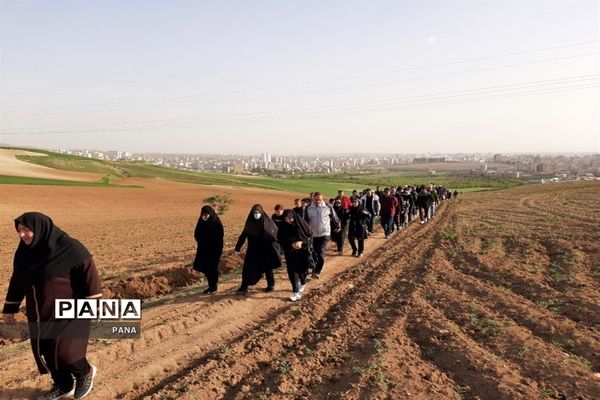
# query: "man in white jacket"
322 219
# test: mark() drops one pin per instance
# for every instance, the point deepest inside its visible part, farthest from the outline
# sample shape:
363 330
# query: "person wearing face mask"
50 265
209 236
295 238
262 255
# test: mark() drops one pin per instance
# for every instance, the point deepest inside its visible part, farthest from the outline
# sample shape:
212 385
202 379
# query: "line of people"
300 235
49 264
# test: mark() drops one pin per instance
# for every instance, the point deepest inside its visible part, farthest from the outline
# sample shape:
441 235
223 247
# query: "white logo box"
129 309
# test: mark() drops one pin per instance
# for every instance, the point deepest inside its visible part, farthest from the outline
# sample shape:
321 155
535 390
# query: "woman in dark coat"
295 237
357 227
50 265
209 236
262 255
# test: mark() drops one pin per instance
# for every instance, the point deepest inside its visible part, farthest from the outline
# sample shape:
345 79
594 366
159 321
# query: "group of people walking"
300 235
50 265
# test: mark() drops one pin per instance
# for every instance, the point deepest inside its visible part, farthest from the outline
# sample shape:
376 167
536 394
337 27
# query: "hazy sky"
301 76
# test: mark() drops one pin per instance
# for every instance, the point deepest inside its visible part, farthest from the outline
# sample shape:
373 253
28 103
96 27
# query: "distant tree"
219 202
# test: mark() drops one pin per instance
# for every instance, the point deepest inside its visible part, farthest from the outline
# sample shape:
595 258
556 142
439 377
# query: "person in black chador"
339 237
209 236
357 227
262 255
50 265
295 236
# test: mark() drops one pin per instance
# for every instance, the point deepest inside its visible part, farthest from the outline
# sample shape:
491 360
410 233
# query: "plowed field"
497 297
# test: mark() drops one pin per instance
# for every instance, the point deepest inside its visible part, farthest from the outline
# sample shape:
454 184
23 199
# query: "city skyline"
560 166
302 78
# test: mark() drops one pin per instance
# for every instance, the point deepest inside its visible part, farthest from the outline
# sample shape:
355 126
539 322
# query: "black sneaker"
242 290
55 393
269 289
83 386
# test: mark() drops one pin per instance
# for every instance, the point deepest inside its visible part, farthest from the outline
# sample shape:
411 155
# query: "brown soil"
498 297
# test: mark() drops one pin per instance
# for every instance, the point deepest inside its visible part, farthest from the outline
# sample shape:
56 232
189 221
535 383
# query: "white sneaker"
302 287
295 297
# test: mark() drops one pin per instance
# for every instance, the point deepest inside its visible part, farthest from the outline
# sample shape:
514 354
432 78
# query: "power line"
496 88
159 99
519 85
336 111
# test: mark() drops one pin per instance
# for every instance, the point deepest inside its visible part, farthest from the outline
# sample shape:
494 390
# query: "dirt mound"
158 284
148 286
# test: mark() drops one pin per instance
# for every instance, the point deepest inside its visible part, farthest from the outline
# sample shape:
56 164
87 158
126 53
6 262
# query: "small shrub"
220 202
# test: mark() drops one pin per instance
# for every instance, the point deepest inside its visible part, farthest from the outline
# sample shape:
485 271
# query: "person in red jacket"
388 209
346 203
50 265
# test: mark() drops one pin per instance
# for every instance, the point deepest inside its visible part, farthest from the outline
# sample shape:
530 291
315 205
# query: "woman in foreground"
50 265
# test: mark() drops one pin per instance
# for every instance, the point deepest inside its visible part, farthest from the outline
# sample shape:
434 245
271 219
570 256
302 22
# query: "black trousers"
320 245
213 279
63 376
296 279
361 245
370 222
339 238
270 280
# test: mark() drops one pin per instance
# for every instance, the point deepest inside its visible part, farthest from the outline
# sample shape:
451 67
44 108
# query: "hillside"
107 172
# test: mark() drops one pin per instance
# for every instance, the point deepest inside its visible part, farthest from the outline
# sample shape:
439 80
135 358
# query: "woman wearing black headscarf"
262 255
50 265
357 227
209 236
295 237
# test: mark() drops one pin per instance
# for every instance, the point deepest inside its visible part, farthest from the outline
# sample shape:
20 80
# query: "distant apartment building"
428 160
